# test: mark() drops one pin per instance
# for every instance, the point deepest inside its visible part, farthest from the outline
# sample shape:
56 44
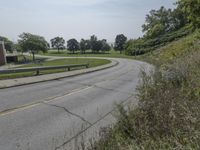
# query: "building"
2 54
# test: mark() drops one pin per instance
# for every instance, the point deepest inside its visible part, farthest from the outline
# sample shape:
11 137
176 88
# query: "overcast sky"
76 18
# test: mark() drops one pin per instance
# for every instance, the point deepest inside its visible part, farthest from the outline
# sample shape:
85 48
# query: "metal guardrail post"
37 72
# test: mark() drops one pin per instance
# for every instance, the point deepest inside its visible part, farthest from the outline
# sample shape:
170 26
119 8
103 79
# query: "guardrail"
38 69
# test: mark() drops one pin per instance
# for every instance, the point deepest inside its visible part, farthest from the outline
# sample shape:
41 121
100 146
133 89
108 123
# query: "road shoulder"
43 78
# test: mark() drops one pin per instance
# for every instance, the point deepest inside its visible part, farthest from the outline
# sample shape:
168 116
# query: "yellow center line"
53 98
45 100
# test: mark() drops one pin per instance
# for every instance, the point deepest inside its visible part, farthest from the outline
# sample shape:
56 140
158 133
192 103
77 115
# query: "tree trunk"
33 56
24 58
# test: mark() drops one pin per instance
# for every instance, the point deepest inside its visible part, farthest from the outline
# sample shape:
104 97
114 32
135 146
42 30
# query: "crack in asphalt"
110 89
113 90
42 101
66 110
89 85
102 80
93 124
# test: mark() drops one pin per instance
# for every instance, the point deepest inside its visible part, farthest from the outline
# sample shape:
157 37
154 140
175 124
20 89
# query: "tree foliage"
120 42
192 8
105 46
178 18
32 43
98 45
72 45
58 43
9 45
84 45
94 45
162 21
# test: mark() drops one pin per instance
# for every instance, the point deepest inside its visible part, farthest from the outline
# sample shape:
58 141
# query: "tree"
17 47
84 45
9 45
105 46
98 45
58 43
72 45
179 18
192 8
159 22
120 42
94 43
33 43
135 46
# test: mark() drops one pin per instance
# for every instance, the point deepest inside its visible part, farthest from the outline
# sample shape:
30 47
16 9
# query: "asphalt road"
55 114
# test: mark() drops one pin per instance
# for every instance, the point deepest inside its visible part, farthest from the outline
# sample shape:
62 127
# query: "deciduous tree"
120 41
192 8
105 46
72 45
161 21
32 43
58 43
9 45
84 45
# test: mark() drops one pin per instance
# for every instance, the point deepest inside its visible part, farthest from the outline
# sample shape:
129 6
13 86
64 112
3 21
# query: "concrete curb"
50 77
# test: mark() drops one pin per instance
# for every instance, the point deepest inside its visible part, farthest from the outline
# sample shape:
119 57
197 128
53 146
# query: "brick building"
2 54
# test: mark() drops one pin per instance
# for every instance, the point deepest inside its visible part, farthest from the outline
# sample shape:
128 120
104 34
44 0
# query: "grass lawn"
111 54
60 62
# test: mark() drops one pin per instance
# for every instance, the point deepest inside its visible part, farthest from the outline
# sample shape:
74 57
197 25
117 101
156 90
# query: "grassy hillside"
145 45
168 113
174 50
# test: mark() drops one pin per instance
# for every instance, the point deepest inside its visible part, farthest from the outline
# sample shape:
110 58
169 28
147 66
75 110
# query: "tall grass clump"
168 111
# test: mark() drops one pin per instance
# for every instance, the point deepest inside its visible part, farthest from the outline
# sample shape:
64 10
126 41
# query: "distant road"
51 114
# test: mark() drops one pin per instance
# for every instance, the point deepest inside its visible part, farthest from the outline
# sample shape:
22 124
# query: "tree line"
32 43
92 44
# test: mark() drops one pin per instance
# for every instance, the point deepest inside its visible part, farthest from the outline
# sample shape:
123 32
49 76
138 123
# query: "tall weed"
168 111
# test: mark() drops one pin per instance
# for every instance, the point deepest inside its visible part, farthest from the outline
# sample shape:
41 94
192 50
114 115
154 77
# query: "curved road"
58 114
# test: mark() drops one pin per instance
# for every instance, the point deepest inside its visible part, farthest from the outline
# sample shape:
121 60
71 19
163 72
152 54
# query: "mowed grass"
65 53
59 62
